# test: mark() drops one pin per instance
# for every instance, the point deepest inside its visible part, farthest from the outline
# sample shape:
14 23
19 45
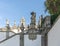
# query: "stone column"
44 40
22 35
7 32
8 28
22 39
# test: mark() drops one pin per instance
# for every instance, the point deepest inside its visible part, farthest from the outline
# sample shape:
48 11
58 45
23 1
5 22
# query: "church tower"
23 21
14 26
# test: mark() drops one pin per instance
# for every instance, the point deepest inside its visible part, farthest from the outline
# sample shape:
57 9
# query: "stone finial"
33 13
40 20
7 21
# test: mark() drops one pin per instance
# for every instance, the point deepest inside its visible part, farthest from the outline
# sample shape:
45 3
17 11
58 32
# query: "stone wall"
54 34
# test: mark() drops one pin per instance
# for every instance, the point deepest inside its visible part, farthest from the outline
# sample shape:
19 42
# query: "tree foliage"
53 6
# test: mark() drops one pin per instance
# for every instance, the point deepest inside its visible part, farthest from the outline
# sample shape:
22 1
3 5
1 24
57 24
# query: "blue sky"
16 9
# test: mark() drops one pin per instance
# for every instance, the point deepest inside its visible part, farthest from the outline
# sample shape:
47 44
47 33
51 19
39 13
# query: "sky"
16 9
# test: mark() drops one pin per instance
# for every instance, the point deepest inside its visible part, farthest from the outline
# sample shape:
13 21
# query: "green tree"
53 7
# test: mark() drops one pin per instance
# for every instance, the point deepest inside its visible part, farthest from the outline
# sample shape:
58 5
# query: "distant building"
42 24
